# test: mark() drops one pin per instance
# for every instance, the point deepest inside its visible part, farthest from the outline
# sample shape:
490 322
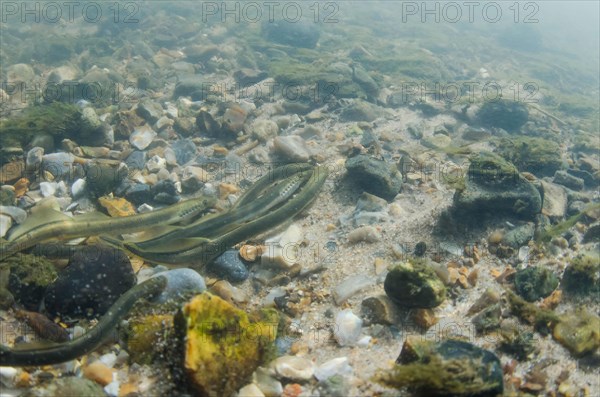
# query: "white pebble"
337 366
142 137
112 389
250 390
48 188
368 234
109 359
7 376
347 328
364 341
294 368
78 188
156 163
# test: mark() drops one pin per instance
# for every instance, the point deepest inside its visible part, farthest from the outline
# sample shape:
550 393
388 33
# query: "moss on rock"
537 155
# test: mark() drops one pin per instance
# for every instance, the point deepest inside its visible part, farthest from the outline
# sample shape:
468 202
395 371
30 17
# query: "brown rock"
99 373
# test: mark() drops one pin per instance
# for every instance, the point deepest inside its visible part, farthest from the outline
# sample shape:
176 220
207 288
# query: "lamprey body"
27 235
58 353
201 249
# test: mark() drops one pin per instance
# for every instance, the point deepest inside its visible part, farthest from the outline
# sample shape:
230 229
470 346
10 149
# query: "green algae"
537 155
223 346
548 234
582 276
579 332
58 119
543 320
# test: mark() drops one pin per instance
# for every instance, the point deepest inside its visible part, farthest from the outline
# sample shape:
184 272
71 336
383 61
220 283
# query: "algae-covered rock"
375 176
535 282
447 368
582 276
148 336
579 332
29 277
223 344
303 33
537 155
494 186
505 114
414 284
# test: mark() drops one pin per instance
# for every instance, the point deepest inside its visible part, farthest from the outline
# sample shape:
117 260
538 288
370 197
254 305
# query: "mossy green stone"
537 155
534 283
579 332
414 285
582 276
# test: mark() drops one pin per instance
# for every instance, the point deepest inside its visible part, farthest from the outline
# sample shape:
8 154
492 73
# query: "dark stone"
94 279
568 180
192 86
29 277
375 176
588 179
488 319
185 150
592 235
461 368
103 177
576 207
420 248
166 198
505 114
535 282
165 186
246 77
520 235
493 186
229 266
582 276
138 194
151 111
137 160
303 34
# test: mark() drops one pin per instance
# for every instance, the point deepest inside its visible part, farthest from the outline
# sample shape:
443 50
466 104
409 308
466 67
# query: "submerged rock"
222 345
304 33
535 282
505 114
579 332
582 276
375 176
94 279
447 368
29 277
537 155
229 266
414 284
494 186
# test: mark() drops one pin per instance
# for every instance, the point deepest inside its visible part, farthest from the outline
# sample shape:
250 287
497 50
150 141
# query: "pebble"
156 163
180 281
250 390
264 129
59 165
112 389
572 182
78 188
414 285
282 250
17 214
8 376
109 359
136 160
351 286
185 151
33 160
142 137
367 234
347 328
48 188
98 372
375 176
337 366
151 111
229 266
266 382
295 368
292 148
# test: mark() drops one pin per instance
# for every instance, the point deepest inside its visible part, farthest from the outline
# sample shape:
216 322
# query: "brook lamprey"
62 227
61 352
200 250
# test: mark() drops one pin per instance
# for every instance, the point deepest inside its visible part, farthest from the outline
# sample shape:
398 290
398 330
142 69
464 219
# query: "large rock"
505 114
304 33
494 186
375 176
94 279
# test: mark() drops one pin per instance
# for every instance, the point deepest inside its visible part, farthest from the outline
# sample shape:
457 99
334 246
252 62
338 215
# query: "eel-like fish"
62 227
61 352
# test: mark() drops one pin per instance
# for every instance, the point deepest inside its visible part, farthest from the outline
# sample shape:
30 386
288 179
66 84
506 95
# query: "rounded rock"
414 285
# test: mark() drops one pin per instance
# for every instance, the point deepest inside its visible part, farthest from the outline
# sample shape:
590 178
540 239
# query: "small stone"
180 282
375 176
17 214
250 390
266 382
33 162
156 163
579 332
555 200
347 328
564 178
292 148
250 252
8 376
225 189
98 372
294 368
21 187
48 188
351 286
264 129
11 171
229 266
415 285
339 366
535 282
378 310
367 234
488 298
488 319
142 137
136 160
424 318
149 110
116 206
78 188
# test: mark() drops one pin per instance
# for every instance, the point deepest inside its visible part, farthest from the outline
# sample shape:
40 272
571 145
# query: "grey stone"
292 148
142 137
149 110
180 282
555 200
375 176
572 182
